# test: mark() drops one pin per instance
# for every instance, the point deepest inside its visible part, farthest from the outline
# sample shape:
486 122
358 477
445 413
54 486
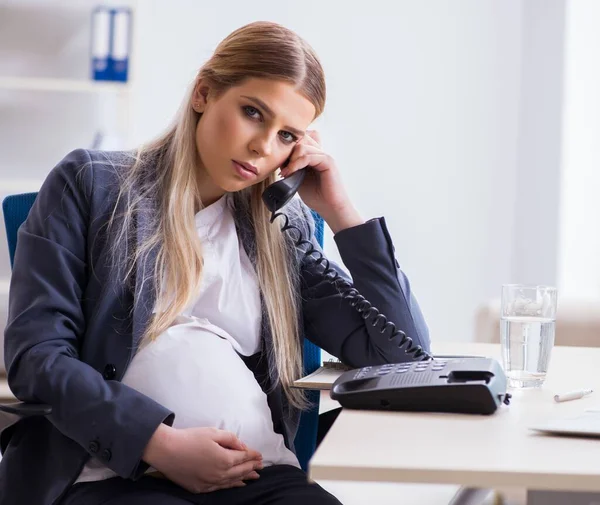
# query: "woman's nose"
262 145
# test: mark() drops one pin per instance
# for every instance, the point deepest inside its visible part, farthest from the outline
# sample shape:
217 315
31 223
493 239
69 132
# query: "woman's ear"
200 97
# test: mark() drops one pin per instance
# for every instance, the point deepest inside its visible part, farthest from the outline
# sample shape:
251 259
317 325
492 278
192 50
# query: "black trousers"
277 485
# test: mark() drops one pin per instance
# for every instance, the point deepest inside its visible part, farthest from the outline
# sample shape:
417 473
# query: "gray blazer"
73 328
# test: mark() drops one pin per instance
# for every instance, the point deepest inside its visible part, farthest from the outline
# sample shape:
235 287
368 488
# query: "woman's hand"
322 189
202 460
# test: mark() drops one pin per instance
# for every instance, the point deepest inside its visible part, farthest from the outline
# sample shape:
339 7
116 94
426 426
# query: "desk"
6 395
477 451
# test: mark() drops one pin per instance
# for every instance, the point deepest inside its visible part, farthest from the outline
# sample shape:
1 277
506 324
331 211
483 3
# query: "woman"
161 315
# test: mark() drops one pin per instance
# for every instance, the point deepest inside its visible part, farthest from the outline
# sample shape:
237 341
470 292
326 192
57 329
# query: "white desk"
479 451
6 395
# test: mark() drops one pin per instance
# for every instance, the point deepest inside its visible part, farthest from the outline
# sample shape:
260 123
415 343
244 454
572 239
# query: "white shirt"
193 368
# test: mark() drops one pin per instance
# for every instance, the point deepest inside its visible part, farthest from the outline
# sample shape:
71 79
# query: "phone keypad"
436 365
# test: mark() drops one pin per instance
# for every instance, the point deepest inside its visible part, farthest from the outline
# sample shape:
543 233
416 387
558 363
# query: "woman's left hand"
322 189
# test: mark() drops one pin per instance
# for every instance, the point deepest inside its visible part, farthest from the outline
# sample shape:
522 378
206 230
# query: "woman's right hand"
201 460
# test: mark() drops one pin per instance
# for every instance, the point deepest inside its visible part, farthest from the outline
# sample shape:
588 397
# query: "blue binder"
110 44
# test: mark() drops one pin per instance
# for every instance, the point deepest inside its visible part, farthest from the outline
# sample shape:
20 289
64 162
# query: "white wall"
443 116
422 117
580 204
539 146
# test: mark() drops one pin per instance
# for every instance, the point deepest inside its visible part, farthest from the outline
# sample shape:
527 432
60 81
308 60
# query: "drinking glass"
527 325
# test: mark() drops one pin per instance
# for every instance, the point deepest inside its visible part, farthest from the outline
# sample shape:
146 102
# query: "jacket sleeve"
331 322
46 326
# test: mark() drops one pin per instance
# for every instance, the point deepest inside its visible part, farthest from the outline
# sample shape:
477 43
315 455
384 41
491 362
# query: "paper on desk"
583 425
323 378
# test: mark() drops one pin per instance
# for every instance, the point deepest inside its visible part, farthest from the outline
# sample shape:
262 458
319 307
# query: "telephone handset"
279 194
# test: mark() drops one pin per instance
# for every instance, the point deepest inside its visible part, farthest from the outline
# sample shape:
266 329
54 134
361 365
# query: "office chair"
17 207
306 437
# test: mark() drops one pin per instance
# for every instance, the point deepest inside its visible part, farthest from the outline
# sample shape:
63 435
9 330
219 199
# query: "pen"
572 395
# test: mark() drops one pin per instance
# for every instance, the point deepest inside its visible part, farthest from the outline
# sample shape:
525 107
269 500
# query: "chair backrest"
306 438
17 207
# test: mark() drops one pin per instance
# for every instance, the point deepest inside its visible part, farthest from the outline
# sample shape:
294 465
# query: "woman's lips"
243 171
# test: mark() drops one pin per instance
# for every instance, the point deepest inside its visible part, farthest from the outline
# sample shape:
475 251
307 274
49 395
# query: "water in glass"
526 344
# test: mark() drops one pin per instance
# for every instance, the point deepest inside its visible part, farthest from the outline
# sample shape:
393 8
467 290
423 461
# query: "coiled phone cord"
349 292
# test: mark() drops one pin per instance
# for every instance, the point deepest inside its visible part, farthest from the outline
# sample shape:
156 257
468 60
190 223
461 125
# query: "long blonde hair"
164 172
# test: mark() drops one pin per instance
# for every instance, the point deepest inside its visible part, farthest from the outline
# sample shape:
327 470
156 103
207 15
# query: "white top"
193 368
229 295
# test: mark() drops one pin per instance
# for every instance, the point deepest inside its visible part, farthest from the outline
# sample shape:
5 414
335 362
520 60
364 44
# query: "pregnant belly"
194 371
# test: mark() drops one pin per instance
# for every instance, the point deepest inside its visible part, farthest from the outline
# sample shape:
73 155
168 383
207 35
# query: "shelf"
64 85
10 185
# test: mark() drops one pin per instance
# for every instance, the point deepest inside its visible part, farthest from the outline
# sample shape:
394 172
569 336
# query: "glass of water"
527 324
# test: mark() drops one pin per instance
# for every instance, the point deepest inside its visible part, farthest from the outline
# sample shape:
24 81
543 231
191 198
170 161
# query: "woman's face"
246 133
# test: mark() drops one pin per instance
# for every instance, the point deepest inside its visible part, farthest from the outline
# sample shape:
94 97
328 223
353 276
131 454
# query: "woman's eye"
250 111
254 113
288 137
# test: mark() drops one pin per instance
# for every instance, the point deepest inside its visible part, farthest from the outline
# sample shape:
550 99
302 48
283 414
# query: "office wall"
539 143
443 117
422 117
579 250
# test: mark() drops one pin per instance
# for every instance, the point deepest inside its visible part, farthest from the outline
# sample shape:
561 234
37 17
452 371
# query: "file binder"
100 44
111 42
121 34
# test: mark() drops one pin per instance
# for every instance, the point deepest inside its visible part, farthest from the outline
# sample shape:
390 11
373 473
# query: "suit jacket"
73 328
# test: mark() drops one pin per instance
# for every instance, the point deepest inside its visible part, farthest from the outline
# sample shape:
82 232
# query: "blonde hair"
163 172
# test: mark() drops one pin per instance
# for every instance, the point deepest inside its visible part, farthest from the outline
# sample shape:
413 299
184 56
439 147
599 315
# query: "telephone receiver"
278 194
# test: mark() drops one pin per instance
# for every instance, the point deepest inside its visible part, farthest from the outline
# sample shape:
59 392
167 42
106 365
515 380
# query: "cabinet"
49 105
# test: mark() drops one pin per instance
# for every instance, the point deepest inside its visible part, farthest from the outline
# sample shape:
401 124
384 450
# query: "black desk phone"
470 385
421 383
